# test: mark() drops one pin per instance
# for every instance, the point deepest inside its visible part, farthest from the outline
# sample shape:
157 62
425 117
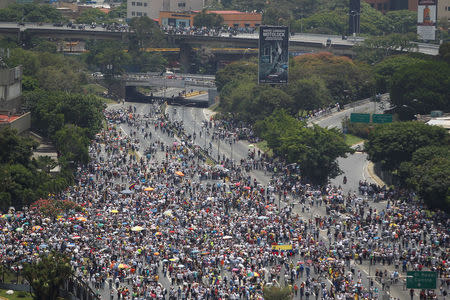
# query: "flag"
132 186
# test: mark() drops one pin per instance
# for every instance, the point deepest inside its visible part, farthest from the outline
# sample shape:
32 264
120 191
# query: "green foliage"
14 149
47 275
91 15
30 13
51 110
72 142
277 293
432 182
52 71
375 49
325 22
392 144
389 66
20 180
401 21
236 71
147 35
309 93
314 149
345 79
209 20
104 53
422 87
118 11
444 52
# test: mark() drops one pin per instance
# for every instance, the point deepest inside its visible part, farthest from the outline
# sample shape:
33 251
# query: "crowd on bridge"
166 225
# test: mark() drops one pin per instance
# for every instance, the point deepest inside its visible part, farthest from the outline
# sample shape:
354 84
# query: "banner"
282 247
273 54
426 19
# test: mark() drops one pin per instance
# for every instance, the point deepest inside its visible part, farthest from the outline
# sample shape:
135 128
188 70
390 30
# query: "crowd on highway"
166 225
231 31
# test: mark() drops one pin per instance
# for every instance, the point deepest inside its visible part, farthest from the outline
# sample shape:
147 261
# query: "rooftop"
8 119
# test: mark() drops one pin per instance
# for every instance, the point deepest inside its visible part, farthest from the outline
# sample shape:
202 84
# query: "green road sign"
421 280
382 118
360 118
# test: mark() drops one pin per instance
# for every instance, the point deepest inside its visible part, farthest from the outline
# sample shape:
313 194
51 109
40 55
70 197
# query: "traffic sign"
382 118
359 118
425 280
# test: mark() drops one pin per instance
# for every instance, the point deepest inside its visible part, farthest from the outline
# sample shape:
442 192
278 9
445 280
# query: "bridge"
303 42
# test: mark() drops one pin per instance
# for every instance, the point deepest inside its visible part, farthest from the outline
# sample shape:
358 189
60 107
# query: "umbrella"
83 219
179 173
37 227
123 266
149 189
262 217
76 237
235 269
247 188
168 213
156 253
174 259
158 233
127 191
20 229
251 146
180 266
309 261
227 237
137 228
114 211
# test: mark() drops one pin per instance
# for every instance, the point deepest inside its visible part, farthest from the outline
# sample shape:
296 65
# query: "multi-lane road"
353 166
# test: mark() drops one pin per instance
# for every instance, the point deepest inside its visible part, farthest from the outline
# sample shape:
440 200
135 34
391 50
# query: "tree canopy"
314 150
47 275
422 87
206 19
392 144
30 12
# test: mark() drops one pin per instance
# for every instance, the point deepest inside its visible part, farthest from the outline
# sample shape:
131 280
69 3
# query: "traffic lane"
353 167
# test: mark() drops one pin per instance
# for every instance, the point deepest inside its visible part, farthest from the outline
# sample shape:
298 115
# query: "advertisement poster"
273 54
426 19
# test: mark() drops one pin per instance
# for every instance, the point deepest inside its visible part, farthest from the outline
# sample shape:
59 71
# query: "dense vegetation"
418 154
315 149
315 81
52 90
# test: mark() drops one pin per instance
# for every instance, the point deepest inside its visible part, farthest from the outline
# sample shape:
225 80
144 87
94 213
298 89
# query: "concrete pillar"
185 57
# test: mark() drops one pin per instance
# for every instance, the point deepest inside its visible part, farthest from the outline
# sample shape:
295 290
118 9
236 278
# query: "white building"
151 8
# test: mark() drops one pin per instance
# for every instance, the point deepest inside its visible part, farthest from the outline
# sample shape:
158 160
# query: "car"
21 23
58 24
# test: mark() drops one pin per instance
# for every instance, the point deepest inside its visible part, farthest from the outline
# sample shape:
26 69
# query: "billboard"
426 19
273 54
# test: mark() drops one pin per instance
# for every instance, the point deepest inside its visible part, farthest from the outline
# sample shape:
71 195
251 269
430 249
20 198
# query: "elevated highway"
297 42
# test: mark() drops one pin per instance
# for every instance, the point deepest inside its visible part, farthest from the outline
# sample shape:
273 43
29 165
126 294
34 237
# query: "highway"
429 49
354 166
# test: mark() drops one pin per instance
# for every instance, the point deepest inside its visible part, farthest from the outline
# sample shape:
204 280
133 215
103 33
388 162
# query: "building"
443 10
152 8
231 18
11 100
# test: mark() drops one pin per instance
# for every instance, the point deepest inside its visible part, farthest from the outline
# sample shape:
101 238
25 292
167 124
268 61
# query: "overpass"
302 43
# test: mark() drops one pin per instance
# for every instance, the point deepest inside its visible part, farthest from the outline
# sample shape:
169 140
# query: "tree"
107 53
30 13
47 275
277 293
208 19
309 93
392 144
385 69
401 21
72 142
315 149
432 182
422 87
147 34
375 49
236 71
15 149
91 15
444 52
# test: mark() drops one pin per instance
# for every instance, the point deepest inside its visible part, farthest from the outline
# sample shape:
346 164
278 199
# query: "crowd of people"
166 225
